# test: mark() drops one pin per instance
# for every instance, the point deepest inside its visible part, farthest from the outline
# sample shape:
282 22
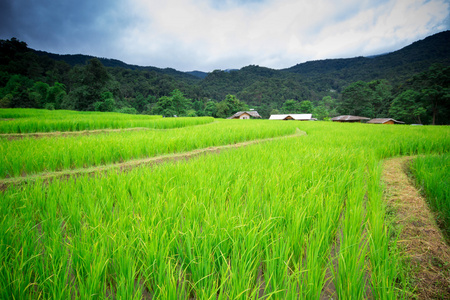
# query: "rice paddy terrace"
98 205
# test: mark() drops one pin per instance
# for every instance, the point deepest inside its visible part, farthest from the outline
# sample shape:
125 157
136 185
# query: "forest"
411 85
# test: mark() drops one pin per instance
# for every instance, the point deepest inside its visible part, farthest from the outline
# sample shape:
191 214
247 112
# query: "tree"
330 106
291 107
39 93
211 109
408 107
381 97
433 94
320 112
179 102
436 92
274 112
88 84
223 110
18 88
306 107
356 100
164 107
229 106
56 94
107 103
175 104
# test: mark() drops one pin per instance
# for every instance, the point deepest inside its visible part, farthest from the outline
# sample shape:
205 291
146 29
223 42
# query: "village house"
385 121
349 119
245 115
296 117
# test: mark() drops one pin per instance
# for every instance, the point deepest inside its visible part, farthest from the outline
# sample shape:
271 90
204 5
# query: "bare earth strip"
16 136
47 176
420 237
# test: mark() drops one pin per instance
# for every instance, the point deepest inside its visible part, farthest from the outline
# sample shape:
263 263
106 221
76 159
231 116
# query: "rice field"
294 218
32 155
15 120
432 173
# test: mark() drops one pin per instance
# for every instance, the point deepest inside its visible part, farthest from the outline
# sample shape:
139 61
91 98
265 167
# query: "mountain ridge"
319 66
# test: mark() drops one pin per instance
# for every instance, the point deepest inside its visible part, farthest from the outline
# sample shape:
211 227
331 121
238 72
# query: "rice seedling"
36 120
279 220
432 173
30 155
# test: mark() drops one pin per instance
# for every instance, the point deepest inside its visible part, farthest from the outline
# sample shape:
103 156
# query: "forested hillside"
411 84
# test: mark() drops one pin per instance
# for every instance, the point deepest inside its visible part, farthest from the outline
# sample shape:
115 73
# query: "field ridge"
420 237
154 160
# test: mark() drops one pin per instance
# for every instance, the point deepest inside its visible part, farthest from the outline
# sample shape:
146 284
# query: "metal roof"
384 120
349 118
293 116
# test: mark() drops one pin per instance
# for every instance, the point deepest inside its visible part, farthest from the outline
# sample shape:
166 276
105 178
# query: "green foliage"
320 113
49 106
128 110
408 107
211 109
291 107
229 106
356 100
306 107
274 112
364 86
107 103
432 173
191 113
174 105
89 83
56 94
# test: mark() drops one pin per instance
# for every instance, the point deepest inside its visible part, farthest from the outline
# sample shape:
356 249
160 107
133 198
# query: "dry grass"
420 237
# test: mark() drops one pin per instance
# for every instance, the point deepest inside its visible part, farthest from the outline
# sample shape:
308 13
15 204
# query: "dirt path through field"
420 238
48 176
18 136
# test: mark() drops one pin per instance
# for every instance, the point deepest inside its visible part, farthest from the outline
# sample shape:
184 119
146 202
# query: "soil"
420 238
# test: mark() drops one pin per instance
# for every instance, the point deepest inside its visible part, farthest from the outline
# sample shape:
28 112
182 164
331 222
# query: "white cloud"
198 34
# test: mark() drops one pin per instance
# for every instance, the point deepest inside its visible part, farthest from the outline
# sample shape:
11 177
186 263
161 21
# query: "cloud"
212 34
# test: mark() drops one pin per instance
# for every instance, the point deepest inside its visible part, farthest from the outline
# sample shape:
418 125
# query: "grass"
432 173
279 220
31 155
19 120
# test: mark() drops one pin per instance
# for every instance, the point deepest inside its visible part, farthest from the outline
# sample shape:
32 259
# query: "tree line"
31 80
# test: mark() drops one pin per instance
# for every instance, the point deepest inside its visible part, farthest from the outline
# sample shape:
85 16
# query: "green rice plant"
30 155
18 120
276 220
383 251
432 173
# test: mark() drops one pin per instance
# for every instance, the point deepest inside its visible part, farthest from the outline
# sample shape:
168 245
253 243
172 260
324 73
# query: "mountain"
413 58
313 80
198 74
80 59
24 72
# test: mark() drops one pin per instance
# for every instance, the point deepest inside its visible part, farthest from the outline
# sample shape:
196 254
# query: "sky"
207 35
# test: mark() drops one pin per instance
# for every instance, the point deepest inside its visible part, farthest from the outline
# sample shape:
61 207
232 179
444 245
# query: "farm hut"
296 117
245 115
385 121
349 119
